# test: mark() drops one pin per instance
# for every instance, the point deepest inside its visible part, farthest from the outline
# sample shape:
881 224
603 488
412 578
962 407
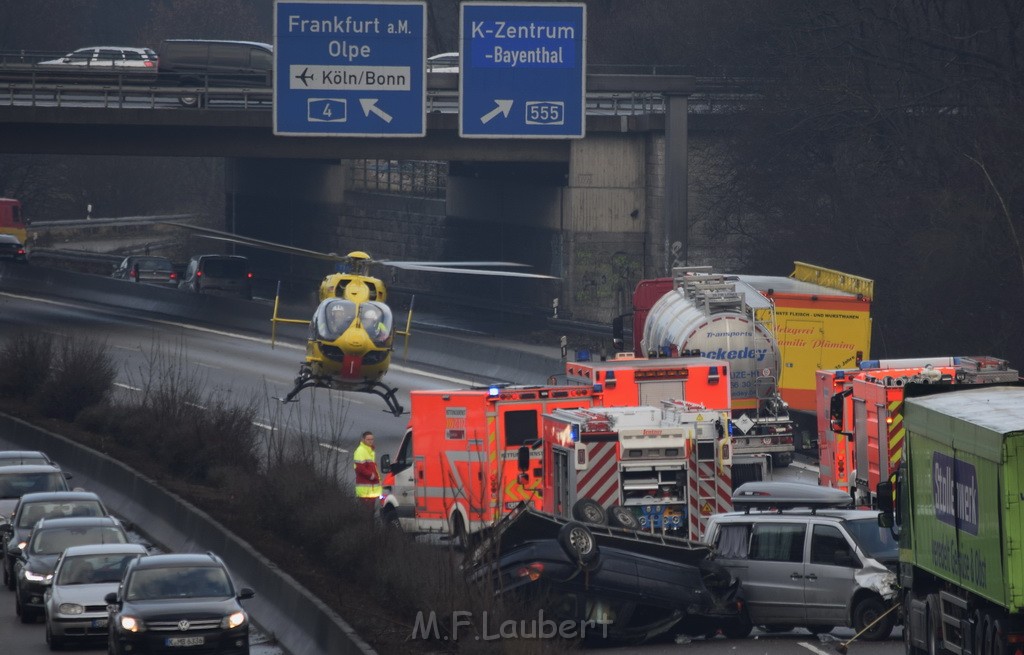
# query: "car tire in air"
623 518
578 542
589 511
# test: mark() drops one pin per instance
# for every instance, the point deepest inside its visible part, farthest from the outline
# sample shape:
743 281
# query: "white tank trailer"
725 318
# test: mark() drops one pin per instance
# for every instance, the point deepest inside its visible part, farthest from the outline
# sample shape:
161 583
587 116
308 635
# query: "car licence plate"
99 623
184 641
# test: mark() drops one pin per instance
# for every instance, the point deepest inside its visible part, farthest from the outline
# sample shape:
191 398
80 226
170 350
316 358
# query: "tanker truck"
724 319
958 508
775 332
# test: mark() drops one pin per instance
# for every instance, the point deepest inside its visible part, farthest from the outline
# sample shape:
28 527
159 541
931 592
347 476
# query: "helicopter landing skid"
377 389
388 394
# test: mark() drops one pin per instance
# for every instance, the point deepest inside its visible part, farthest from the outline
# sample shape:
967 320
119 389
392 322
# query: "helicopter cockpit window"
332 318
377 321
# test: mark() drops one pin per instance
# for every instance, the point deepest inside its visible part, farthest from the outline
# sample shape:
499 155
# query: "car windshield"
876 541
179 582
16 485
225 268
332 318
94 569
15 460
32 512
50 542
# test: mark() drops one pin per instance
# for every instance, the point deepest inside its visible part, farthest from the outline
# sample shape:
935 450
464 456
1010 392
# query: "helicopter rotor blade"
397 264
475 271
464 267
209 233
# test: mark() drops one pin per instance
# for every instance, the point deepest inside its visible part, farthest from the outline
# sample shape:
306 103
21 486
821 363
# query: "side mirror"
111 598
245 593
385 463
885 520
6 529
618 334
523 459
884 497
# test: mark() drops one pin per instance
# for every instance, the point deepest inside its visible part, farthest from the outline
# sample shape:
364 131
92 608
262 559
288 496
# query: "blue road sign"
350 68
522 70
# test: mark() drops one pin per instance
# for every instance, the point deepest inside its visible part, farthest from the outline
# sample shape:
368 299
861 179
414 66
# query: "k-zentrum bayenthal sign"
522 70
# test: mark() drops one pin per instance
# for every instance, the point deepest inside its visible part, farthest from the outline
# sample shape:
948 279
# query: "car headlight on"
70 608
32 576
132 624
233 620
22 544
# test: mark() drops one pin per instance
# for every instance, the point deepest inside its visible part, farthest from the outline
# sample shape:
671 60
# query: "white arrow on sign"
503 108
369 106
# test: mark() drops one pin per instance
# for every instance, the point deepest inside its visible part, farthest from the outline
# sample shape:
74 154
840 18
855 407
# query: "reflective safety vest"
367 476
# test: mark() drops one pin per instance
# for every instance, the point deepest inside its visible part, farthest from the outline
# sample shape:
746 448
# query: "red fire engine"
628 381
860 414
669 468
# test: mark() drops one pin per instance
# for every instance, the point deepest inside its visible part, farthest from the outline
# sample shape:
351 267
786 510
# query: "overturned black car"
611 585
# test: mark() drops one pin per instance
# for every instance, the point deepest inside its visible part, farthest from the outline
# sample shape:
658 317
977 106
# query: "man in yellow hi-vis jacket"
367 476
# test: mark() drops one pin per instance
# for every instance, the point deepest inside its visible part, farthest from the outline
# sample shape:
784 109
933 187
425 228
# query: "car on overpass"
115 58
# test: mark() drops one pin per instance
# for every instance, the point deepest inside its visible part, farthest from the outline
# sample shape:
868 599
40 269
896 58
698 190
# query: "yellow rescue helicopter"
351 334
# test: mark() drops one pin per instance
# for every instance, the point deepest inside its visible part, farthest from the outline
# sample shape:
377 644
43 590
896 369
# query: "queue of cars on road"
224 275
73 564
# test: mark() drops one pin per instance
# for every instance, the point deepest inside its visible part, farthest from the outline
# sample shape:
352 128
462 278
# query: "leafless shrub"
25 364
82 375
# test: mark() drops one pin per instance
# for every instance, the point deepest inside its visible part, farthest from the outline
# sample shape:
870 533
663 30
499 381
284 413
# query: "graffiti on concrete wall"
601 278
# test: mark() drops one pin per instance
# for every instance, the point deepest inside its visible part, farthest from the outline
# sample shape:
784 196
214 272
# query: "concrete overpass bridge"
601 212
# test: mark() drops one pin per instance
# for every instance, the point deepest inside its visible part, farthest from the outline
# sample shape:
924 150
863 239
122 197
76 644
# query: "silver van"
807 566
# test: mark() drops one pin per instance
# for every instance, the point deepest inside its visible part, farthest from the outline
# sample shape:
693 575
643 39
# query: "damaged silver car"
806 562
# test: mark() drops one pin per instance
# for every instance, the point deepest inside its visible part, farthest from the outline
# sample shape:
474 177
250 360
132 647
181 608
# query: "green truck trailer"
959 510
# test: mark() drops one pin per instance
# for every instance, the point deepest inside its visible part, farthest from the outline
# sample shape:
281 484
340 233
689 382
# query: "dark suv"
14 536
176 602
33 570
205 63
218 274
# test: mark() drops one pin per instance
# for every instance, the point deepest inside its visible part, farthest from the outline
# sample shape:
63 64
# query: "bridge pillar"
295 202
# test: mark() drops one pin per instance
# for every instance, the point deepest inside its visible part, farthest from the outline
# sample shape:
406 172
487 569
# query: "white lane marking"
814 649
264 426
243 337
127 386
332 447
131 348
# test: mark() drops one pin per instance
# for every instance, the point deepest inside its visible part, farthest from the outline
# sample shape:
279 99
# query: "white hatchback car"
108 57
75 609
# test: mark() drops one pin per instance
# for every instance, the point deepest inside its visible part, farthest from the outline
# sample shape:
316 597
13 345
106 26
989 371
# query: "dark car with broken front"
616 584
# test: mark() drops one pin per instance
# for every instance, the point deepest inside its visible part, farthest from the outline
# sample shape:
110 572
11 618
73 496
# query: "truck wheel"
578 541
589 511
623 518
866 612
